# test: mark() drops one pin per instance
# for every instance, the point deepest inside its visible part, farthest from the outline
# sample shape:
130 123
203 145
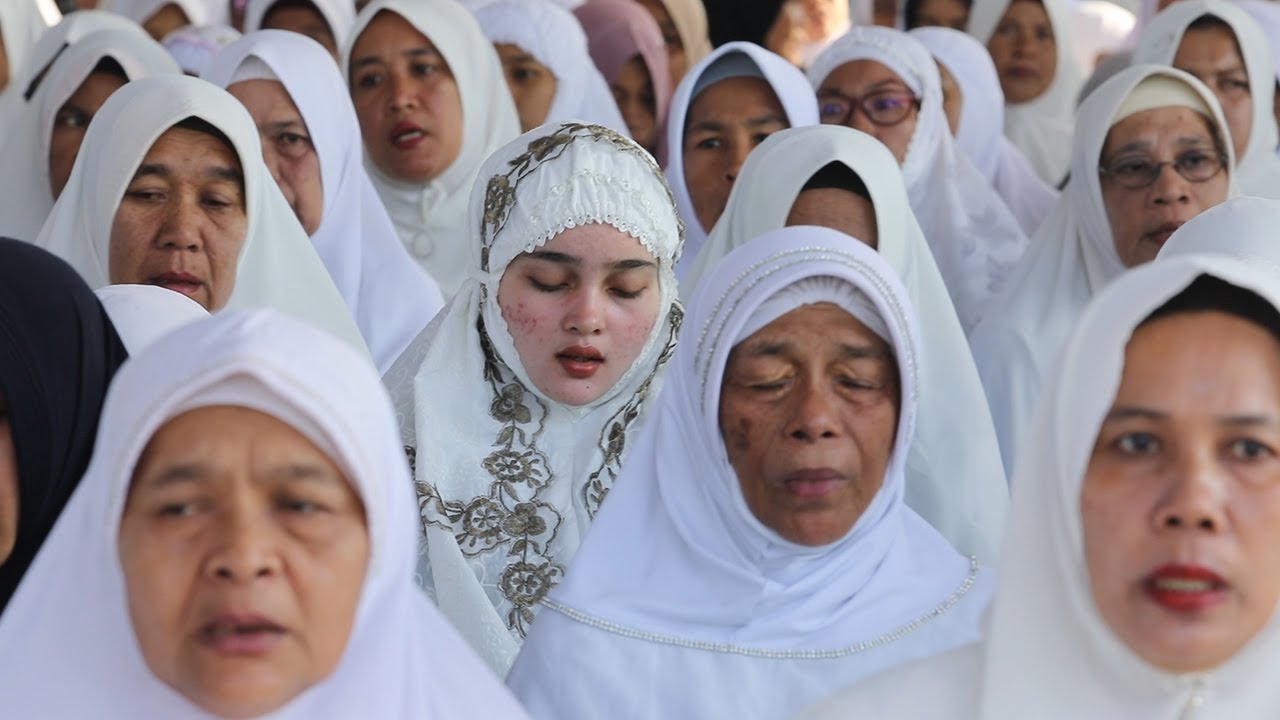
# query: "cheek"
131 234
739 426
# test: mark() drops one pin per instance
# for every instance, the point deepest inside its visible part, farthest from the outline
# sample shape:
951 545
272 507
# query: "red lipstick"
1185 588
580 361
241 634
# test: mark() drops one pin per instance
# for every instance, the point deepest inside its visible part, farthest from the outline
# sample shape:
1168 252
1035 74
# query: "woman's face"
8 485
1142 219
838 209
677 58
408 103
304 20
633 91
952 14
71 122
859 81
1024 51
164 21
532 84
580 310
952 99
1181 497
287 148
244 550
1213 56
182 223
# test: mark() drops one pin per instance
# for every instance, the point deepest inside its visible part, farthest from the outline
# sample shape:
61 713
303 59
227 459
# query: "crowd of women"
639 359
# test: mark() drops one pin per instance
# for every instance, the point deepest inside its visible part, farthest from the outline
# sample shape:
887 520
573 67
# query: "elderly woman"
1151 152
328 22
246 533
1139 577
756 552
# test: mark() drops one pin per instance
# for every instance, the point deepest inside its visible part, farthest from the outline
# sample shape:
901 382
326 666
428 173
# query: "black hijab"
58 353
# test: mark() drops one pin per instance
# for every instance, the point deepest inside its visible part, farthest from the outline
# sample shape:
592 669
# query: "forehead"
387 34
859 74
1026 11
737 98
259 96
1214 45
1158 128
185 151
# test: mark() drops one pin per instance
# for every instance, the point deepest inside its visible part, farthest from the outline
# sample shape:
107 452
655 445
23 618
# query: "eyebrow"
410 53
845 351
1126 412
195 472
755 122
566 259
184 473
887 82
284 125
297 471
218 172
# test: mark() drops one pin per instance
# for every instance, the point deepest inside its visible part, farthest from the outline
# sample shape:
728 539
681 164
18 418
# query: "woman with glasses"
886 84
1151 152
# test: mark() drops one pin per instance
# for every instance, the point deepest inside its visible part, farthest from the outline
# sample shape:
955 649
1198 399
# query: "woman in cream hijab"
684 29
423 156
954 480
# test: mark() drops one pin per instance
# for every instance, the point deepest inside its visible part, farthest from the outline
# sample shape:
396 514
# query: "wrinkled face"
71 122
532 84
678 60
952 99
305 21
1214 57
838 209
1143 219
181 223
244 551
1181 498
633 91
942 13
287 148
8 484
407 101
725 123
580 310
860 79
1024 51
164 21
808 412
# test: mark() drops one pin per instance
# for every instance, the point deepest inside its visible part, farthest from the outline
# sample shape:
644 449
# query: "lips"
1022 73
1185 588
1161 234
181 282
241 634
580 361
406 135
814 484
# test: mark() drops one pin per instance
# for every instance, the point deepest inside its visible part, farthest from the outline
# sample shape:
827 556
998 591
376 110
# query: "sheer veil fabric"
389 296
402 660
955 482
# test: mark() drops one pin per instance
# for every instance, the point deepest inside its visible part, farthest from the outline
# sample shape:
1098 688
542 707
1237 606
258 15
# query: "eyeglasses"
1137 172
886 107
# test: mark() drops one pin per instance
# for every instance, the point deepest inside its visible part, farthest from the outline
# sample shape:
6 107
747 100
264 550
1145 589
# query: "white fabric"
339 14
553 36
1049 655
431 218
690 19
143 314
195 47
24 154
389 296
1267 15
1041 127
198 12
954 480
814 291
1258 171
981 133
974 237
22 23
508 479
1072 257
677 558
1243 228
402 662
278 268
1098 29
793 93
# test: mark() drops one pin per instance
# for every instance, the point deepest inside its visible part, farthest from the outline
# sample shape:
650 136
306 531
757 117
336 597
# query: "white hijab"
1258 170
143 314
981 133
402 660
681 603
788 84
954 481
489 443
431 218
1041 127
389 296
553 36
1072 257
974 238
198 12
339 14
22 23
24 154
278 267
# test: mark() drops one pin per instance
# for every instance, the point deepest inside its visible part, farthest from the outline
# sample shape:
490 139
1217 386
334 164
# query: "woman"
978 124
952 14
183 200
1030 44
328 22
547 64
58 353
1134 481
245 533
538 372
1113 215
423 158
725 106
21 25
161 17
1225 49
955 481
311 141
701 592
45 136
143 314
684 31
886 84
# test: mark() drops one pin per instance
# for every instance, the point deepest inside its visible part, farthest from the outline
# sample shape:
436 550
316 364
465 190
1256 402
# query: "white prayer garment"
681 603
431 217
1072 257
340 15
22 24
198 12
389 296
401 661
954 480
974 237
277 268
143 314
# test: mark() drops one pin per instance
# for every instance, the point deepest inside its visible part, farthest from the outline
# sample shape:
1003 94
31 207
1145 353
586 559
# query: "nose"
404 92
738 153
181 226
244 548
1170 187
813 417
585 314
1194 497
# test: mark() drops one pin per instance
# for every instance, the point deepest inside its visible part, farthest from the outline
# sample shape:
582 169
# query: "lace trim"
727 649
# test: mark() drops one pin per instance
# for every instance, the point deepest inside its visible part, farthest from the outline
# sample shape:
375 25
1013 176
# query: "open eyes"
1136 443
71 118
293 145
1139 444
